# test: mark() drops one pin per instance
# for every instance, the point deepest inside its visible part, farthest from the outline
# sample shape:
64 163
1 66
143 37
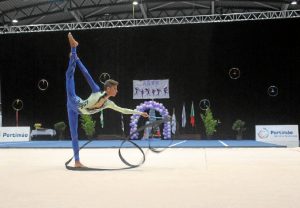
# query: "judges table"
42 132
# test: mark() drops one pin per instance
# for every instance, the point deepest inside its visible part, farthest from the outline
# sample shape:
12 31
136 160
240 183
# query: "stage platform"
157 143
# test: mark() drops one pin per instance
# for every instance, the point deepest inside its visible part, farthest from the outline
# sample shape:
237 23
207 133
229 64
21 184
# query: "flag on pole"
101 119
183 117
173 124
192 116
122 123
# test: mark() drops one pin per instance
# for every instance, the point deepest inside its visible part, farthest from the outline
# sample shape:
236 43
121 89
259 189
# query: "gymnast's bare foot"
78 164
72 41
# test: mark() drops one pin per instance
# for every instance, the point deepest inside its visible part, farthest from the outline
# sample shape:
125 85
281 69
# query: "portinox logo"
263 134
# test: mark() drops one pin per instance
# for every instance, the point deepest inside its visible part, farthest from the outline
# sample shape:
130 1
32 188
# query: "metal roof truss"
269 15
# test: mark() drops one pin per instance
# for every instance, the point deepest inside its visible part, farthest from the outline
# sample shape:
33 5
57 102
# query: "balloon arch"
144 107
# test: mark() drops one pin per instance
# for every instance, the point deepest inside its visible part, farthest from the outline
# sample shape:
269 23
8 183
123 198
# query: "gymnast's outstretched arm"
114 107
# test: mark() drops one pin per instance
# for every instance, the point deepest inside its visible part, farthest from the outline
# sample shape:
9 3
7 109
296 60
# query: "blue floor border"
157 143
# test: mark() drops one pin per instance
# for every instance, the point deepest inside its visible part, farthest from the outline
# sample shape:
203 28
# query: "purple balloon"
145 106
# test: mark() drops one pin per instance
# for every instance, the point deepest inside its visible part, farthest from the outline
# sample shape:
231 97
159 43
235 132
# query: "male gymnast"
97 101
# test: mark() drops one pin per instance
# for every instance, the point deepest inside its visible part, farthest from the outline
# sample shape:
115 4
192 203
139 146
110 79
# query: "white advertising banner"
287 135
151 89
14 134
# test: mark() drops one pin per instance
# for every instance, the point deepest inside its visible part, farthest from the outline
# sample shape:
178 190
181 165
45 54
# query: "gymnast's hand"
144 114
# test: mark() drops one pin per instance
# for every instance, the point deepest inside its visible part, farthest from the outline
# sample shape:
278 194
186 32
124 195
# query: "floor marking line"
226 145
177 143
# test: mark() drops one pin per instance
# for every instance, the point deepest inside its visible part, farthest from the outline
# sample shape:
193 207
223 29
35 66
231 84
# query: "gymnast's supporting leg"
72 101
73 124
72 114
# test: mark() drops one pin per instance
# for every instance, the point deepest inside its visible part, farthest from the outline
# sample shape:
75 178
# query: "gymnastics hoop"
103 77
273 91
15 105
204 104
41 84
234 73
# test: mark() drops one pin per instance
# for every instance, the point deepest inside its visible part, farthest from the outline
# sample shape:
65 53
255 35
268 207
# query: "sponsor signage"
277 134
14 134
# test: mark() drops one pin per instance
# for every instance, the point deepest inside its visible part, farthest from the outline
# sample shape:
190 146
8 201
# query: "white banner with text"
151 89
277 134
14 134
